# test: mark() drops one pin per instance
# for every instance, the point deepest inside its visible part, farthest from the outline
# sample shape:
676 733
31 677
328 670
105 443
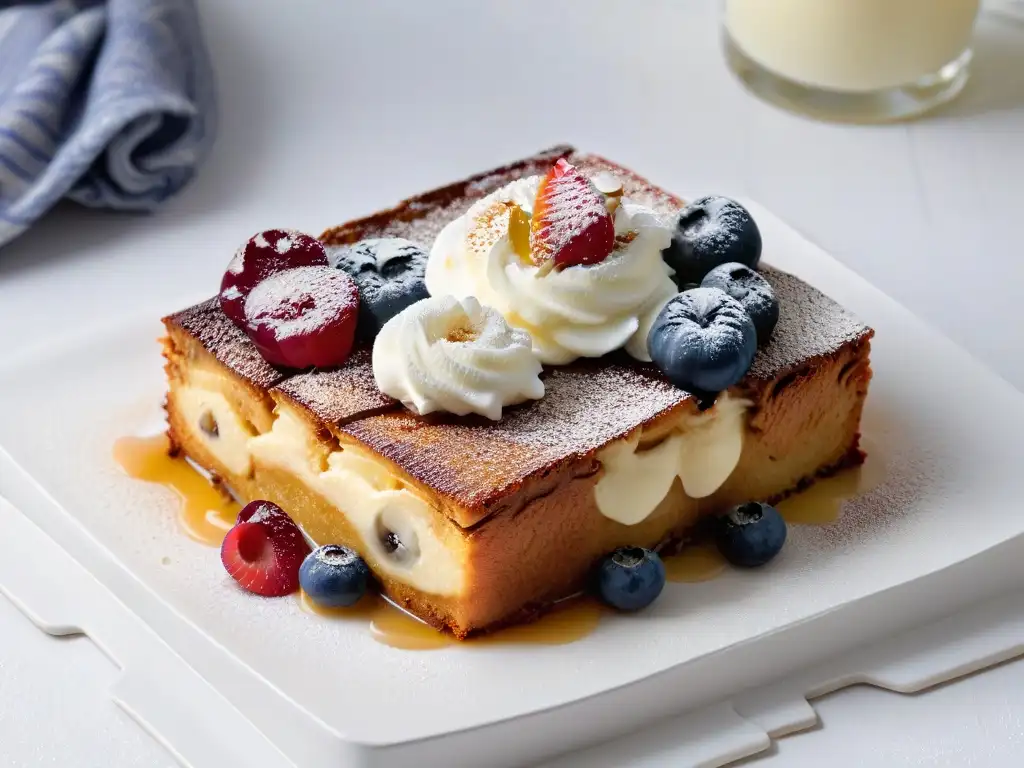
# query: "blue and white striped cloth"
109 104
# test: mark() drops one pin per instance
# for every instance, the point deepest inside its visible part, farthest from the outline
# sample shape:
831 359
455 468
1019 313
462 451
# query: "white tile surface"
55 707
971 723
331 110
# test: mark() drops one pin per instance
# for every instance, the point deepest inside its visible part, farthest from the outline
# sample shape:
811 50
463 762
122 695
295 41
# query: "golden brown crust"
513 500
540 549
222 339
519 561
341 395
588 403
810 428
523 558
480 467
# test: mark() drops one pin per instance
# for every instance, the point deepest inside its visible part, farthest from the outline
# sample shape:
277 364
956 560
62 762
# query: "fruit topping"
751 290
608 184
334 576
519 232
232 303
703 341
710 232
571 224
304 317
208 424
630 578
389 274
401 545
265 254
264 550
751 534
500 218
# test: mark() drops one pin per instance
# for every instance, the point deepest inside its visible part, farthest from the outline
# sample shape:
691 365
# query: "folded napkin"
109 104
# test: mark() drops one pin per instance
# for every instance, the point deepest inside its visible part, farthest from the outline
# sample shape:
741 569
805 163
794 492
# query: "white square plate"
948 432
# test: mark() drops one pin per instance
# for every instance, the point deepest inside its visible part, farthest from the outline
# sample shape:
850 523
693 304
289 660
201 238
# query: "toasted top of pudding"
478 466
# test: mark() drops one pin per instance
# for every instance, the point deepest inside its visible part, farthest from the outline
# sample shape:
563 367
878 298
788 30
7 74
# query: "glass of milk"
852 60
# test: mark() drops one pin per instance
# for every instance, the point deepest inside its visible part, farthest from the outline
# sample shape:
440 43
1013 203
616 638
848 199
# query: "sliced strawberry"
264 550
571 224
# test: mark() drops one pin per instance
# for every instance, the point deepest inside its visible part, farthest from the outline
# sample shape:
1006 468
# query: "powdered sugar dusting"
913 479
284 244
875 545
423 229
231 293
489 227
717 229
336 555
339 395
567 206
810 325
301 301
237 264
723 319
390 248
208 324
585 406
263 512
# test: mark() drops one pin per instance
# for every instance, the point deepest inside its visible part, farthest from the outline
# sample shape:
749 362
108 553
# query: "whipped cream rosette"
586 309
454 355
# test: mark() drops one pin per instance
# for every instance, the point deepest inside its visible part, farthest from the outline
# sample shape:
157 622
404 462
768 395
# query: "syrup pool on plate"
695 563
567 622
822 503
206 513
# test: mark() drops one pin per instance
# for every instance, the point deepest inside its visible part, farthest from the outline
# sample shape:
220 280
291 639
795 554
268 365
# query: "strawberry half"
571 224
264 550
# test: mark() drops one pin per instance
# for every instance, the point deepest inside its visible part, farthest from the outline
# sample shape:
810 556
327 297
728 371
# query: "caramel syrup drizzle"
822 503
206 513
567 622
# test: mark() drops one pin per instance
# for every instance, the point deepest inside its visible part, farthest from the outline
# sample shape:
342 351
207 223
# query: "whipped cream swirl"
581 311
447 354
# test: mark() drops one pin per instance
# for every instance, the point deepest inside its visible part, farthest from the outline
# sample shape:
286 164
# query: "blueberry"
703 340
751 290
389 273
710 232
630 578
334 576
751 534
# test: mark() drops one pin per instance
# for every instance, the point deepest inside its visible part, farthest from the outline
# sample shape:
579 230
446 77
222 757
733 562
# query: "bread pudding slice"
472 524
